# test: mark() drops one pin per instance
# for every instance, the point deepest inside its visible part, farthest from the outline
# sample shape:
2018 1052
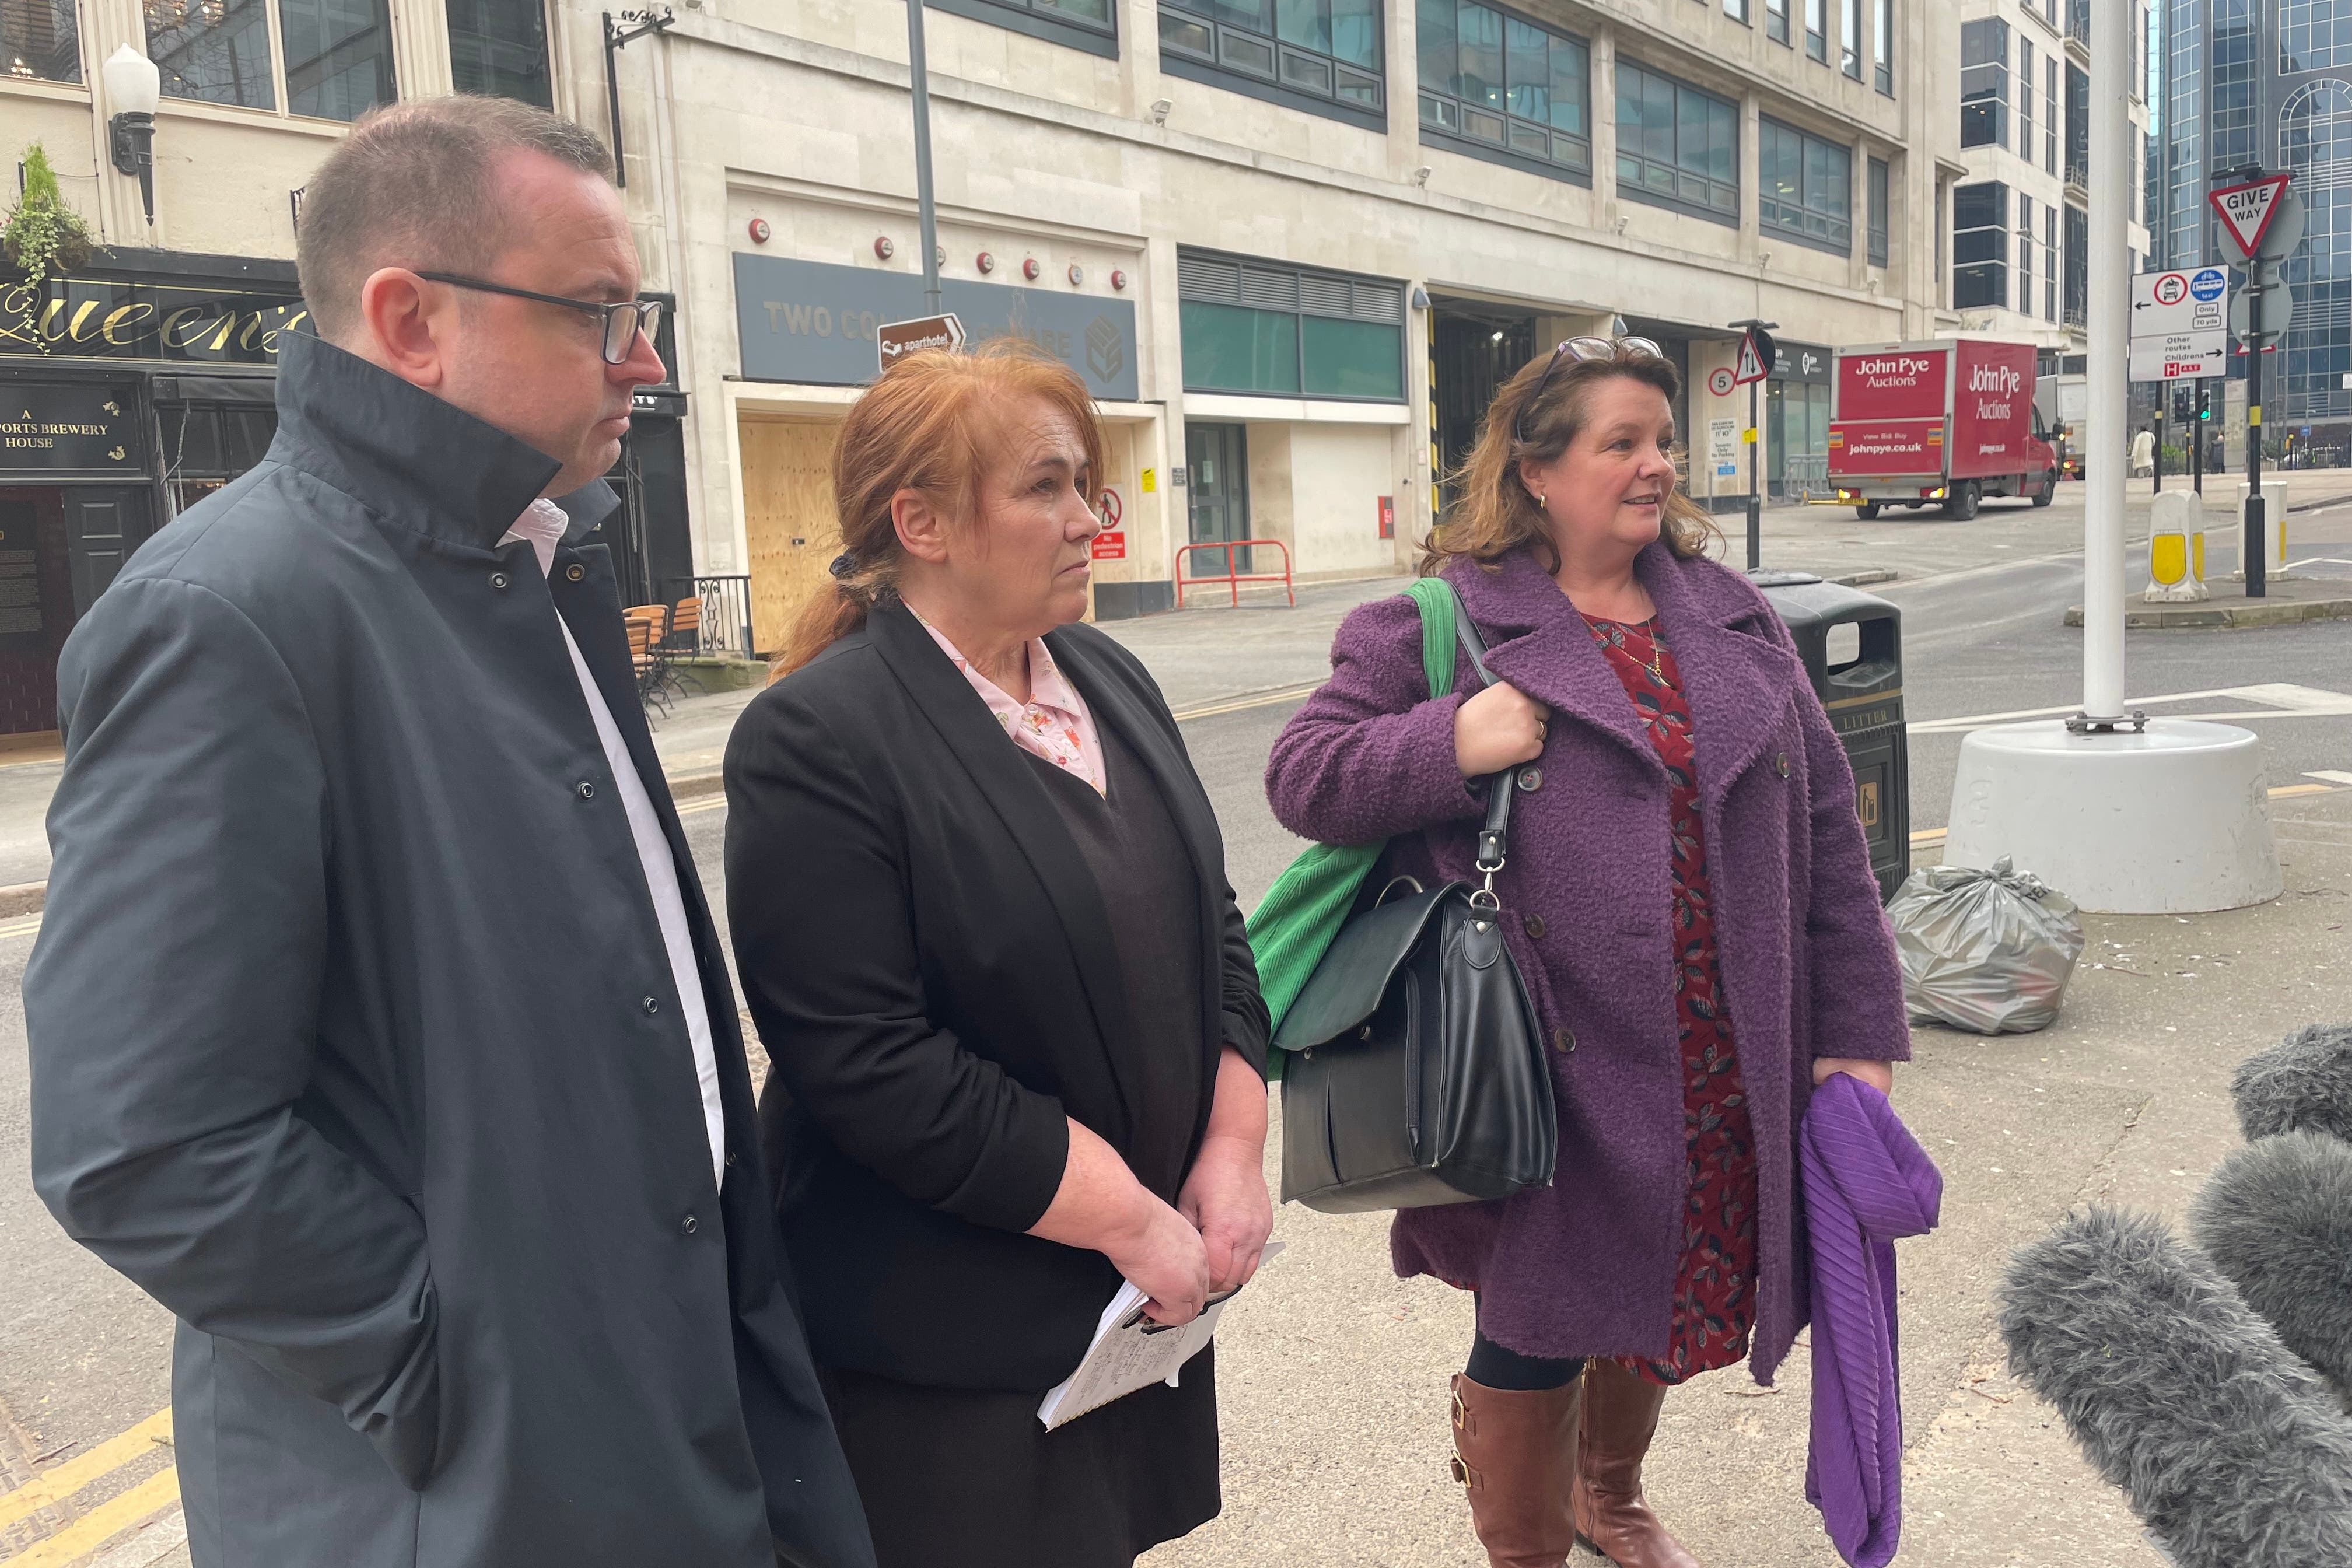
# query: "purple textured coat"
1586 1266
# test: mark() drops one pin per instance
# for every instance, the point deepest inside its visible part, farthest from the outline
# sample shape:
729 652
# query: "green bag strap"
1436 602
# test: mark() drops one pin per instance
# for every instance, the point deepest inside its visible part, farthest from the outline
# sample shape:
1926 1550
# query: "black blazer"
930 966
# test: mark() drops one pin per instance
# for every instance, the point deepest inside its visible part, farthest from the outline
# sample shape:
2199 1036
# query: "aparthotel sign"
117 319
817 322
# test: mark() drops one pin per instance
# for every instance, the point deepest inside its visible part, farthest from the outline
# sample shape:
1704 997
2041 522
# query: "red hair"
932 424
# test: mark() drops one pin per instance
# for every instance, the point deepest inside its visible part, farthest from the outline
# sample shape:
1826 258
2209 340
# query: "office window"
2024 97
1885 68
1874 180
2049 115
1500 81
1984 83
499 49
1676 146
1817 30
2049 264
1324 50
1849 40
2314 34
1980 246
338 56
1088 24
1943 286
217 51
1804 188
2074 262
1287 331
2024 254
1736 10
2078 126
41 39
1776 20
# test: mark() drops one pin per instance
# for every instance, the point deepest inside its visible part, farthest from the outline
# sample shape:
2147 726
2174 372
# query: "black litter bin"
1858 675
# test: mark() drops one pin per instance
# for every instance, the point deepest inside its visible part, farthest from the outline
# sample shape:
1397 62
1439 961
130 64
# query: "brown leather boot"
1620 1416
1515 1453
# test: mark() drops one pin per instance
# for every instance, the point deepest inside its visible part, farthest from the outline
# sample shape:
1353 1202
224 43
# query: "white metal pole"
2110 279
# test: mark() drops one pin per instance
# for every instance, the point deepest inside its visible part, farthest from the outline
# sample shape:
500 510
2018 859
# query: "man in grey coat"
379 1028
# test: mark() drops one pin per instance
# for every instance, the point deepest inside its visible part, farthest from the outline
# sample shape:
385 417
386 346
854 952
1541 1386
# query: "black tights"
1493 1366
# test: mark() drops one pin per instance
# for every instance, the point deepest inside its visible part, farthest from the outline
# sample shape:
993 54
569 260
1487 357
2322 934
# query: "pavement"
1333 1372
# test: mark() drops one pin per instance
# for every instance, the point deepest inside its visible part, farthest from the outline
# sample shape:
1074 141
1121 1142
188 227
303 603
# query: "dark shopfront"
141 384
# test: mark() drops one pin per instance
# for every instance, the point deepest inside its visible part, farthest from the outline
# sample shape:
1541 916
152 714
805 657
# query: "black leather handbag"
1417 1073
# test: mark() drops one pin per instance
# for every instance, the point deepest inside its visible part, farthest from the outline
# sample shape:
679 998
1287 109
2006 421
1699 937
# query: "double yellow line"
109 1519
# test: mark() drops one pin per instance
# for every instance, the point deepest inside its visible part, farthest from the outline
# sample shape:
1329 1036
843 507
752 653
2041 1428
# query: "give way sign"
2246 210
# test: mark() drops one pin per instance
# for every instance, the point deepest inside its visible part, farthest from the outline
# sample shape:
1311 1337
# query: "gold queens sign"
107 318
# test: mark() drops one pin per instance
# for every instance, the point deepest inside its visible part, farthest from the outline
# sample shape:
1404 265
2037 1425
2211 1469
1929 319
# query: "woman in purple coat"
1689 897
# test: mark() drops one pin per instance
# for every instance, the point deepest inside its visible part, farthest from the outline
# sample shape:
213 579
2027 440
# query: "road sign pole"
926 212
2250 548
2110 312
1755 497
2197 442
2157 489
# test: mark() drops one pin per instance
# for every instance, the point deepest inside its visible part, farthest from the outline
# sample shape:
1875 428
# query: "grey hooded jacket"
355 1045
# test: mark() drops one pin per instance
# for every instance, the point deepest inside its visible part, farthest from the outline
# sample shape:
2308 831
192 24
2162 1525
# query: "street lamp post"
927 215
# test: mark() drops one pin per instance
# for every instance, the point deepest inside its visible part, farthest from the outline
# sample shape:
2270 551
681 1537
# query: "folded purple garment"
1866 1180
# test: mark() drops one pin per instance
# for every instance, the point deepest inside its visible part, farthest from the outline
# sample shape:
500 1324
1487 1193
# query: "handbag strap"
1494 831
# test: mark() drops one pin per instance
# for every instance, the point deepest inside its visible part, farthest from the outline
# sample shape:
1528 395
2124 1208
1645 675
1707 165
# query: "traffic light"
2206 412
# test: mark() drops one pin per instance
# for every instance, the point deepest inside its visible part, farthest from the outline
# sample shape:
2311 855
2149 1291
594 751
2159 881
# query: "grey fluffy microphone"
2276 1217
2304 1081
2230 1450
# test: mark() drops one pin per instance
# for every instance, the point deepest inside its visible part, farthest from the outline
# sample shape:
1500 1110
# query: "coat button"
1563 1040
1780 764
651 1006
573 573
499 579
1530 780
585 790
730 1159
689 1225
1534 926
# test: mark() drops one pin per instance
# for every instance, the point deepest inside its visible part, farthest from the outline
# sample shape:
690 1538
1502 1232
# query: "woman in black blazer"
1017 1042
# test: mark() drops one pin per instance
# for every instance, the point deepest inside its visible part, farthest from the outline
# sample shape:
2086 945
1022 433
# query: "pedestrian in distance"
2143 453
1689 897
979 904
379 1028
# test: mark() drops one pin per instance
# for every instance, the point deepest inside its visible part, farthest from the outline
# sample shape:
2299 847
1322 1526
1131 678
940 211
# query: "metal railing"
1805 476
1231 575
726 614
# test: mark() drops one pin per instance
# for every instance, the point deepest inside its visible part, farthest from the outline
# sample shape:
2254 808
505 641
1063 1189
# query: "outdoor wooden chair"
646 663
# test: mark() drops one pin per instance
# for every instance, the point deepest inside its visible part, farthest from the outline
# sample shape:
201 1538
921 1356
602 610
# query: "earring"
1541 504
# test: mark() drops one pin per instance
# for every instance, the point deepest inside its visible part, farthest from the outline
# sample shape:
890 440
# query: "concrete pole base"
2172 820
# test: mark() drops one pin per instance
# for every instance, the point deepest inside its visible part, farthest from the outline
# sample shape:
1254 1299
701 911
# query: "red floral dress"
1715 1282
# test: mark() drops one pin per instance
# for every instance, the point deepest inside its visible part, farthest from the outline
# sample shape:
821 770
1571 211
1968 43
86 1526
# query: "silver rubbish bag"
1986 951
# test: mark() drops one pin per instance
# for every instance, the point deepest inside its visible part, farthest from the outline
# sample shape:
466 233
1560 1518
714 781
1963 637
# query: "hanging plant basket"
43 237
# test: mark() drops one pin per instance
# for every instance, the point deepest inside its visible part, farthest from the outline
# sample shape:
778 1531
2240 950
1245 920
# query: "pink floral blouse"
1053 724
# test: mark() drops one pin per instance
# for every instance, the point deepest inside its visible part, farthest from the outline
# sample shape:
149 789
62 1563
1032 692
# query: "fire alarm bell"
760 231
1030 270
884 248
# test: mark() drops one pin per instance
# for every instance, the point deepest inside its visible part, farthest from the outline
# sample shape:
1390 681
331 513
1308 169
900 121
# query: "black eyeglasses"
622 321
1582 349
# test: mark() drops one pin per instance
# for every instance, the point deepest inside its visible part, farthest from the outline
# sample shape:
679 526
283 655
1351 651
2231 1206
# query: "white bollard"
2274 520
2176 548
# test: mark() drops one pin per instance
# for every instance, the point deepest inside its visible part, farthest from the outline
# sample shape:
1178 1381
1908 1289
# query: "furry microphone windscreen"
2229 1448
2305 1080
2276 1217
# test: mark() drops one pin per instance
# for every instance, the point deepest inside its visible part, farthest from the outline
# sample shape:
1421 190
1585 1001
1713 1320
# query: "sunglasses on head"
1582 349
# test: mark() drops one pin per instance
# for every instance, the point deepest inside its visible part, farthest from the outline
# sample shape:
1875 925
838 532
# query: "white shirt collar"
543 523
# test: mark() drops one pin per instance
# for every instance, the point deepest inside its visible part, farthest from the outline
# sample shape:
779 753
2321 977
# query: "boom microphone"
2305 1080
2229 1448
2276 1217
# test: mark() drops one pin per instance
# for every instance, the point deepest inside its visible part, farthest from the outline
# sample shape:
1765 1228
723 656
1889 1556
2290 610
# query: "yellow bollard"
2176 548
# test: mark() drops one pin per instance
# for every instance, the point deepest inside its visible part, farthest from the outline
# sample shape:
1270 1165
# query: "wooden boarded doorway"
789 525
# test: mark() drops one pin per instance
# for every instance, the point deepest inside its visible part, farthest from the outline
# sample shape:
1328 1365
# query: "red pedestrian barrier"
1230 576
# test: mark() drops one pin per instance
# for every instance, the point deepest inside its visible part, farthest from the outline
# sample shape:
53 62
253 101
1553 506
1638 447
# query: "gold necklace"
1657 659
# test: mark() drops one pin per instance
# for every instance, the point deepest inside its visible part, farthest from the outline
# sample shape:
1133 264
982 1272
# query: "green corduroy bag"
1293 926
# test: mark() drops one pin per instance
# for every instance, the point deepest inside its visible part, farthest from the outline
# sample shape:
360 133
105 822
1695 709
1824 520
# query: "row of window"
1994 261
1486 75
330 60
